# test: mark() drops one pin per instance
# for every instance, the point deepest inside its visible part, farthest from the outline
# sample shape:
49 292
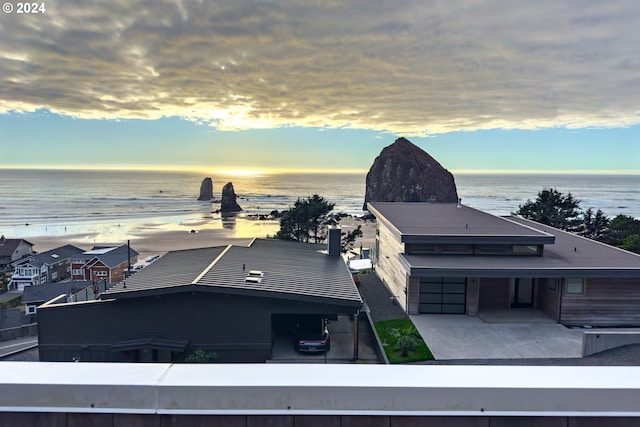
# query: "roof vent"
255 273
253 279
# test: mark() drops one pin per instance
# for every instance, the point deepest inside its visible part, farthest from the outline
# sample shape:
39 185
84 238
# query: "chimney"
334 235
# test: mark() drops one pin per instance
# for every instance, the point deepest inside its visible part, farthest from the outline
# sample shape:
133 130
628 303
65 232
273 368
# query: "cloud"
408 67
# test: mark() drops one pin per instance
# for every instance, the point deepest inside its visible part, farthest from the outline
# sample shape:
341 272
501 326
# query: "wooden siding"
473 296
606 302
413 295
548 298
494 293
389 267
238 328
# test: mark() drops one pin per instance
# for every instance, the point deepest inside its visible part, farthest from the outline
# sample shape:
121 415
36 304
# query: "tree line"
563 211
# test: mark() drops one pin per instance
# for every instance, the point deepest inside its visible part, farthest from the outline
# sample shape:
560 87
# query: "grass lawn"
393 332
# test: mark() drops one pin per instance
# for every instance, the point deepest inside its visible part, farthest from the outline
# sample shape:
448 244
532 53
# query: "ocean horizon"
40 202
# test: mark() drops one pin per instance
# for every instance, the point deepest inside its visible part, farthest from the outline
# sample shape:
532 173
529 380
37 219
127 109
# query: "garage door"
443 295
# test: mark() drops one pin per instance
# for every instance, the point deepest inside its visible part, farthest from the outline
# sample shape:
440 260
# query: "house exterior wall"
494 294
388 264
473 296
413 295
548 297
605 302
237 328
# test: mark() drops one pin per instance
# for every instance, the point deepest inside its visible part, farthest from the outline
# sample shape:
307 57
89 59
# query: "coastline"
158 238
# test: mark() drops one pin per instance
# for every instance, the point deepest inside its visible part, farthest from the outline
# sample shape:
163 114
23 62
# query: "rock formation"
404 172
206 189
229 203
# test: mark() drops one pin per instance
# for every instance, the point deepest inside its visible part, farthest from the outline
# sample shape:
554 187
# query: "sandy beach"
152 239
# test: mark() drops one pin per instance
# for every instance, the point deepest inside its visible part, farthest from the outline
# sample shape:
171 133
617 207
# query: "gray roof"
47 291
290 270
110 258
570 256
55 255
446 222
8 246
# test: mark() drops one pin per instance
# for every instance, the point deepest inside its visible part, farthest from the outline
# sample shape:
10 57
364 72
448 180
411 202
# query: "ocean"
52 202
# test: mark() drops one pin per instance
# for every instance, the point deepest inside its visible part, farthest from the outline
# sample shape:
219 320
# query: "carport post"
355 336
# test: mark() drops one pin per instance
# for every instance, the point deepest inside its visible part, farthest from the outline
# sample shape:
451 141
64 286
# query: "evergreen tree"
620 227
306 220
553 208
593 226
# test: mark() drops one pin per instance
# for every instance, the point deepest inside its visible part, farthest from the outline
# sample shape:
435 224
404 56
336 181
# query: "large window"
469 249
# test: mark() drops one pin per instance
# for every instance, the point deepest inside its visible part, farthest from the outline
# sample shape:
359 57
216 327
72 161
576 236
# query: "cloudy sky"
548 85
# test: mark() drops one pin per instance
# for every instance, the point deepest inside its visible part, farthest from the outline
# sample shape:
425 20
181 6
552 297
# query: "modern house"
103 263
49 266
234 300
33 296
448 258
12 250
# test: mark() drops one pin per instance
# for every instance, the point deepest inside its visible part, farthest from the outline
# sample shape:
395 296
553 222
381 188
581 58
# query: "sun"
240 172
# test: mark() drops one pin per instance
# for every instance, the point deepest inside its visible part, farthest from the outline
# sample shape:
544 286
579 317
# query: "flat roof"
570 256
452 223
308 389
290 270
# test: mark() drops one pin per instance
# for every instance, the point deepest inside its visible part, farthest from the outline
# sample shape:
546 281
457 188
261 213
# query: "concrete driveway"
469 337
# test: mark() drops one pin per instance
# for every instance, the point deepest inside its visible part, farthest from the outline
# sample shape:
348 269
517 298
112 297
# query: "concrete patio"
504 334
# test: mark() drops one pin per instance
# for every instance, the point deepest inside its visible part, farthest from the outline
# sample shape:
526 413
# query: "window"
525 250
54 275
575 286
101 273
78 272
31 309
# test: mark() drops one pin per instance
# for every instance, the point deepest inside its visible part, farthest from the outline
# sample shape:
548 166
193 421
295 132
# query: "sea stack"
404 172
229 203
206 190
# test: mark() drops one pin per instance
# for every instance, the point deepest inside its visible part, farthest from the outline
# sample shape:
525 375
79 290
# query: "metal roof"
177 268
48 291
452 223
570 256
291 270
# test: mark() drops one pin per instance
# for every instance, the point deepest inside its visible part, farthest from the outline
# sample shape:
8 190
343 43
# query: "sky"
276 85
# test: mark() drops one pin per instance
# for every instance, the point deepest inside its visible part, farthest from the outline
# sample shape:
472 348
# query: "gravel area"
378 299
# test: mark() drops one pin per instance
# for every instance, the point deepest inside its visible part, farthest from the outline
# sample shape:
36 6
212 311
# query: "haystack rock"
206 189
404 172
229 203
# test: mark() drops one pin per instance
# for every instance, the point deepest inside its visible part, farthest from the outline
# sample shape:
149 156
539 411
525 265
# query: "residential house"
103 263
12 250
49 266
33 296
235 301
453 259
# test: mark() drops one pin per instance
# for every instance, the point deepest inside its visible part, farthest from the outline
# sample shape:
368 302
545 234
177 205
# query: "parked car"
313 338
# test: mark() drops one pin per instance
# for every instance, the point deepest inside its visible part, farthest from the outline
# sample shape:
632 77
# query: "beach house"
453 259
236 301
108 263
50 266
12 250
